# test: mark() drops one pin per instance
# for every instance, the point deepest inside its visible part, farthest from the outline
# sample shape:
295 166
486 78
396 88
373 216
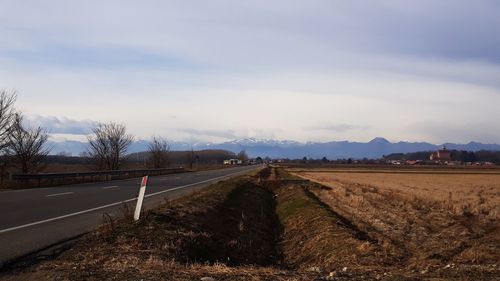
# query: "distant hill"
376 148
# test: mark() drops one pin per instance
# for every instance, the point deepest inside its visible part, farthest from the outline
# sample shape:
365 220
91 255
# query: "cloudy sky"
219 70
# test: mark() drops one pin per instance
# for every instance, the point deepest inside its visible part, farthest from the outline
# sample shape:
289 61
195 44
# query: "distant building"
441 155
233 162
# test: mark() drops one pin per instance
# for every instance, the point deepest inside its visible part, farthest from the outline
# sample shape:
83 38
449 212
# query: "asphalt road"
34 219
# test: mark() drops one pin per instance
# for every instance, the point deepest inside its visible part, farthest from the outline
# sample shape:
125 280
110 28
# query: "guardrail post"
140 198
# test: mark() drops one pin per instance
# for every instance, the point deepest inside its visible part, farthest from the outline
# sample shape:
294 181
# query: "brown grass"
314 236
420 220
476 194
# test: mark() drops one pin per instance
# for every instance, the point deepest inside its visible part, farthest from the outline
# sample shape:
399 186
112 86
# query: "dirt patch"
267 174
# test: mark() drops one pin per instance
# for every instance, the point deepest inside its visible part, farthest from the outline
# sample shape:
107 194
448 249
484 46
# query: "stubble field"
419 220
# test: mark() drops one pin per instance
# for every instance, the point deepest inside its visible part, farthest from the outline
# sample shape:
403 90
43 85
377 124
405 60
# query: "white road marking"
114 204
58 194
109 187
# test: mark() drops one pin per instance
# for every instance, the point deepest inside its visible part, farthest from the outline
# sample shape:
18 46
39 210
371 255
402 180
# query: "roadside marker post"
140 198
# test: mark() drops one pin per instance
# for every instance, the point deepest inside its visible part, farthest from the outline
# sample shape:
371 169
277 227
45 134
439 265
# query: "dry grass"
476 194
420 220
314 236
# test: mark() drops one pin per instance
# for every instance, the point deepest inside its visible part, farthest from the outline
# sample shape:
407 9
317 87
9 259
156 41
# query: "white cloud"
224 134
245 69
62 125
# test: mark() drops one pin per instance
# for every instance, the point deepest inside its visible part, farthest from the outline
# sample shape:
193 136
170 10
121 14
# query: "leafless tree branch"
159 153
108 145
243 156
7 100
27 144
191 158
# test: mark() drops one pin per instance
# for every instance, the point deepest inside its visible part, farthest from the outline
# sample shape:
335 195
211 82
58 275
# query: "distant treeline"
456 155
175 158
325 160
183 157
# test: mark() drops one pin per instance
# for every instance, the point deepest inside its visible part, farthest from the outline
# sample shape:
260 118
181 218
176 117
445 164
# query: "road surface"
34 219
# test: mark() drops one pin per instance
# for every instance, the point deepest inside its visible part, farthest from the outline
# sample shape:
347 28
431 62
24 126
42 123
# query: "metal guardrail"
91 176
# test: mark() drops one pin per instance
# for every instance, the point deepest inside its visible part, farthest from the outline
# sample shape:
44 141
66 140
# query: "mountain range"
375 148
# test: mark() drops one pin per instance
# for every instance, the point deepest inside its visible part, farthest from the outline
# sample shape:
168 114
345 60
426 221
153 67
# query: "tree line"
456 155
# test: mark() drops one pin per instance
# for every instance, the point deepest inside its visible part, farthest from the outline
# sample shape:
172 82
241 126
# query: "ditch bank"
313 237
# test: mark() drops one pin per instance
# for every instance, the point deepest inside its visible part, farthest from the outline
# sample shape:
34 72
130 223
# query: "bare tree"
159 153
243 156
191 158
27 144
108 145
7 100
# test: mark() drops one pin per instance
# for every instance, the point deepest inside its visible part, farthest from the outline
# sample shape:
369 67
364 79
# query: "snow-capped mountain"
258 142
375 148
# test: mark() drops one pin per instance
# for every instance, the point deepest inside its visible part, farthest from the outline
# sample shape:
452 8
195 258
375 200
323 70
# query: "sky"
287 70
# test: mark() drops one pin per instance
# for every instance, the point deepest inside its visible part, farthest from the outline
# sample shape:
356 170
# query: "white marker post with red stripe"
140 198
